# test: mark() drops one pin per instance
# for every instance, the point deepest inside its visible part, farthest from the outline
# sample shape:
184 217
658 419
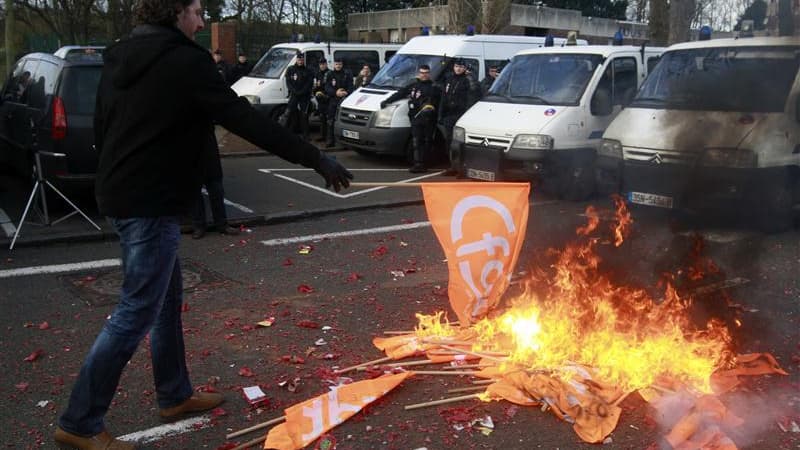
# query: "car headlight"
533 142
383 119
459 135
610 148
729 157
253 99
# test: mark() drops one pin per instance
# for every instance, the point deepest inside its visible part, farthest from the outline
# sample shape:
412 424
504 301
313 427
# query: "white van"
717 124
545 115
365 127
265 86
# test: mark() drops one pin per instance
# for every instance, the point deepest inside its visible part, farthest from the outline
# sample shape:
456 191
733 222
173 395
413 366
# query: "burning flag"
481 227
308 420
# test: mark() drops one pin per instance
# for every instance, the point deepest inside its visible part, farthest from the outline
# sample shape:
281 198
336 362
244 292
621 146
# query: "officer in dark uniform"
423 108
457 97
338 85
299 80
322 98
486 84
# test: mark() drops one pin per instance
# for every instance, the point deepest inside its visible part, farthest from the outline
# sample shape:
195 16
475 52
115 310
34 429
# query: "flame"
574 314
434 325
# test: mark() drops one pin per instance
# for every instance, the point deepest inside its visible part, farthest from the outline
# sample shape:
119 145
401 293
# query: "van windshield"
271 65
546 79
402 70
744 79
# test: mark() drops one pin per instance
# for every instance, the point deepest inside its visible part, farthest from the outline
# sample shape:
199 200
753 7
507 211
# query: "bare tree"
462 13
494 15
70 20
681 17
659 22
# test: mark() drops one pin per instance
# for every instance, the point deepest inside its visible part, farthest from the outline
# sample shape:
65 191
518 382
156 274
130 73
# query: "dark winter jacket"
338 79
299 80
158 98
423 100
457 96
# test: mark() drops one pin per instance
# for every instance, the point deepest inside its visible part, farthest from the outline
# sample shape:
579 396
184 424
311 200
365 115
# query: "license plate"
643 198
350 134
484 175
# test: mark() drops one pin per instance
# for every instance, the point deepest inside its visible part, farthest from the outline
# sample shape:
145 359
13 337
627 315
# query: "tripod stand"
39 190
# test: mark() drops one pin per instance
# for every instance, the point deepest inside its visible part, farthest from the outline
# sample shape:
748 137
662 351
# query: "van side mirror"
601 103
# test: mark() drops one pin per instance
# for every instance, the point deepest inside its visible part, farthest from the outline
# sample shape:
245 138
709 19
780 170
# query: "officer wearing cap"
322 98
338 85
457 96
423 106
299 80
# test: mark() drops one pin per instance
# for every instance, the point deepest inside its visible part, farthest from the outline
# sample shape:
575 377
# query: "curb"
269 219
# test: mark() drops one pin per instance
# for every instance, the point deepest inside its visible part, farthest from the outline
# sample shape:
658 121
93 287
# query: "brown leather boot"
200 401
102 441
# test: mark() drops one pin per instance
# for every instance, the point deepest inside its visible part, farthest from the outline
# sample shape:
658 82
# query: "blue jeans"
150 301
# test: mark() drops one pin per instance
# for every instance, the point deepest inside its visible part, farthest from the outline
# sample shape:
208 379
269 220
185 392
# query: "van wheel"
775 214
576 182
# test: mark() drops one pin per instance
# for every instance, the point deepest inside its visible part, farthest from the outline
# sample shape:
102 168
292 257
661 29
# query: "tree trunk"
10 33
681 13
659 22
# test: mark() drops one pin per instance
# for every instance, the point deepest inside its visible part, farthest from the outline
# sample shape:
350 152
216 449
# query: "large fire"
573 314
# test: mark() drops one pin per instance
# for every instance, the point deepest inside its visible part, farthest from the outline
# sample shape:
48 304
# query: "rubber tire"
576 182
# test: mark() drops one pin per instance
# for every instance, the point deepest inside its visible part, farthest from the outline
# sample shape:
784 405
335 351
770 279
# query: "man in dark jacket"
322 98
241 68
158 97
423 102
457 97
300 81
487 82
337 87
223 68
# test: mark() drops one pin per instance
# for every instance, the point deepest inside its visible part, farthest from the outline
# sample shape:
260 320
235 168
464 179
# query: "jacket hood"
135 54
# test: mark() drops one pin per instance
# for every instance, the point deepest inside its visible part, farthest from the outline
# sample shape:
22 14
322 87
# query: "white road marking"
338 195
316 237
7 224
163 431
60 268
301 169
241 208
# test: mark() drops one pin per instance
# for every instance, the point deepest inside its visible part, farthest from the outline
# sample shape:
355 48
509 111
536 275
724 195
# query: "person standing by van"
487 82
222 67
158 98
241 68
299 80
338 86
364 77
423 105
322 98
457 97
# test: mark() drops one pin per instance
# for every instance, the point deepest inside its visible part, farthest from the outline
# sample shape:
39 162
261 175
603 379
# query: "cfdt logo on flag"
481 227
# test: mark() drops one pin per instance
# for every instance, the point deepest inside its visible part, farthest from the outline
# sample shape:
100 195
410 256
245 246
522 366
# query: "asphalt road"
234 282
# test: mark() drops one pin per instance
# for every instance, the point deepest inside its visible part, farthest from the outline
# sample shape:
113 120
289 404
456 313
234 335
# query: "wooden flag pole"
255 427
442 402
368 363
249 444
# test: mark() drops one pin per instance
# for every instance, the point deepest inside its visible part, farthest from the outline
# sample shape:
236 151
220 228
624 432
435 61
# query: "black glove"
384 104
334 173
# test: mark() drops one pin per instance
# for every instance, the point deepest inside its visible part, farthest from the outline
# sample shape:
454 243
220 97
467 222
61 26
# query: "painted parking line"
60 268
238 206
363 231
6 224
167 430
352 194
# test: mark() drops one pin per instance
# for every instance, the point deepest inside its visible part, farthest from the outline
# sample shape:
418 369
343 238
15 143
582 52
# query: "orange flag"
306 421
481 227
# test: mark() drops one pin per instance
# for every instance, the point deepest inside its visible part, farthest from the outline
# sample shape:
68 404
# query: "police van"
364 126
545 115
265 86
716 126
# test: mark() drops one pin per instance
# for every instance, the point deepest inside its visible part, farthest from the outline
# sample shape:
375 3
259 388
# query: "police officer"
457 96
338 85
487 82
322 98
423 105
299 80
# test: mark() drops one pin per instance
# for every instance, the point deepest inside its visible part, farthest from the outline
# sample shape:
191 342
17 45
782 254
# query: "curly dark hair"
159 12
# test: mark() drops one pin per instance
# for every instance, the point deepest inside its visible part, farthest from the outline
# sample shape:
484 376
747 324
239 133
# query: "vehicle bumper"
520 164
388 141
700 187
